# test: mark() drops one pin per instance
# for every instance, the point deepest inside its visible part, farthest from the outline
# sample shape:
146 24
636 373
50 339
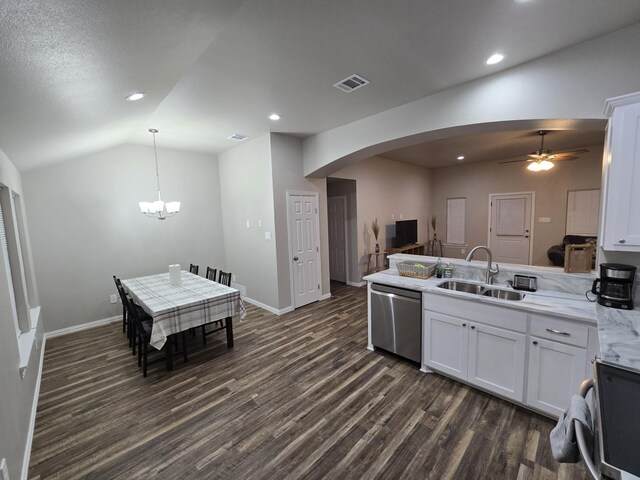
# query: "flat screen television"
406 233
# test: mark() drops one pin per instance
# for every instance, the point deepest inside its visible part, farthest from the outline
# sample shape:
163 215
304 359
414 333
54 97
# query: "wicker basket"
416 269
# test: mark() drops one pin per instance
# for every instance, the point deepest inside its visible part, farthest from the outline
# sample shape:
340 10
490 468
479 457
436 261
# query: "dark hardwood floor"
298 397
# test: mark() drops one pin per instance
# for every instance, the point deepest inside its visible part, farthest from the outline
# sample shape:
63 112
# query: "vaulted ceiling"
212 68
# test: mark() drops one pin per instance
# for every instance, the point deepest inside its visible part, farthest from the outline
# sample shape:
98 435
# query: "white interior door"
305 249
510 228
336 215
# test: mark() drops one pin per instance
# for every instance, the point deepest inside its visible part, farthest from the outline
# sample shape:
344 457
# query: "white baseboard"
32 420
268 308
84 326
356 284
326 296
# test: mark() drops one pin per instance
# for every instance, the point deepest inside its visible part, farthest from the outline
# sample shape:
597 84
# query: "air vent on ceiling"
237 136
351 83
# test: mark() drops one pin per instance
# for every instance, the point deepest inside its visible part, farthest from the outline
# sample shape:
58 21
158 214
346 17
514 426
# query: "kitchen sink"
503 294
463 287
476 289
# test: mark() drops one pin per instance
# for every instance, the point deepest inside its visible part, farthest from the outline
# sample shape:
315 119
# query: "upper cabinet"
621 173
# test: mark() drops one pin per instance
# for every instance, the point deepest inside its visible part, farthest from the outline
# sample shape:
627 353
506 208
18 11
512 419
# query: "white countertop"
618 330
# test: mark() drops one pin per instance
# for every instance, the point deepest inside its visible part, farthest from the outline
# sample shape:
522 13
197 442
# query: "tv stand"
412 249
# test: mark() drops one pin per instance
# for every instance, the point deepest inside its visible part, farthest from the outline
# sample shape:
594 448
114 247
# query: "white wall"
385 190
570 84
16 394
286 161
246 189
86 225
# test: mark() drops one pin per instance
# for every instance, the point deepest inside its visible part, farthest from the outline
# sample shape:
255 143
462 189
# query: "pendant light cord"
155 152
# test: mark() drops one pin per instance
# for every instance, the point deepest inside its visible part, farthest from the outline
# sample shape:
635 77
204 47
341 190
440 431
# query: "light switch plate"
544 219
248 224
113 298
267 235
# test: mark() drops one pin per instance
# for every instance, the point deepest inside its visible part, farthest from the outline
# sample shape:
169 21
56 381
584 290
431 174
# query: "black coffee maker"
614 288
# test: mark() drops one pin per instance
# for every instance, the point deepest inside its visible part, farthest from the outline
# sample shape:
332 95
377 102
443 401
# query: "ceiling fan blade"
574 151
564 158
536 156
516 161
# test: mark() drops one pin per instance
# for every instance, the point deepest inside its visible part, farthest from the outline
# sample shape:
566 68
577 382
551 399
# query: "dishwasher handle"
399 292
393 296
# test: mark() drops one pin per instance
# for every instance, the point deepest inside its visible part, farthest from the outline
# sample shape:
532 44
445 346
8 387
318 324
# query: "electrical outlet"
463 251
267 235
113 298
248 224
259 223
400 216
393 216
233 277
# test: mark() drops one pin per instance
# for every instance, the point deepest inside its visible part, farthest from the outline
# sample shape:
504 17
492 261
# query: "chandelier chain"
155 152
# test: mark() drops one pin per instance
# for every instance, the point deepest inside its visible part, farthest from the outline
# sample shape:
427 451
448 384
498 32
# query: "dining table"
177 308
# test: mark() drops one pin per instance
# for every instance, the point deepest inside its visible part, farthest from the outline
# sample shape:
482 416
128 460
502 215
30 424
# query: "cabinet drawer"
560 330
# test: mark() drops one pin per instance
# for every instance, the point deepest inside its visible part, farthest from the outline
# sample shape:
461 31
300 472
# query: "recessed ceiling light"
495 58
274 116
461 157
134 96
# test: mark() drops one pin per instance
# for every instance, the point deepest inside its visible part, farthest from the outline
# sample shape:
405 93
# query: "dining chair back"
194 268
124 308
143 327
225 278
211 273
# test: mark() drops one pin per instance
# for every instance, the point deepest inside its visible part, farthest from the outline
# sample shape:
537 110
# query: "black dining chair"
225 279
124 299
194 268
211 273
143 327
116 280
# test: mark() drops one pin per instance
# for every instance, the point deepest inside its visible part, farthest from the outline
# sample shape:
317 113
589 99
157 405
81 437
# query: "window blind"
583 207
456 213
5 256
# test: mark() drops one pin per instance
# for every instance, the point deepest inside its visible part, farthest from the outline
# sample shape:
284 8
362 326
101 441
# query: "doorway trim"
533 211
346 236
303 193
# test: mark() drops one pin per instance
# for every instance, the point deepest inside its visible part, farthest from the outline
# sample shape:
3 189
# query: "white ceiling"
212 68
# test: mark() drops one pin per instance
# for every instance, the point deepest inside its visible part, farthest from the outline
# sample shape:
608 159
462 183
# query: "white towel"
563 437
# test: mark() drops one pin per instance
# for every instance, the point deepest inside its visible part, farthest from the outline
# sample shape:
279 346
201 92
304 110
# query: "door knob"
622 240
295 259
535 343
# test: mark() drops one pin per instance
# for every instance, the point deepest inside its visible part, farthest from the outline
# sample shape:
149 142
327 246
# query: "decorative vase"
377 248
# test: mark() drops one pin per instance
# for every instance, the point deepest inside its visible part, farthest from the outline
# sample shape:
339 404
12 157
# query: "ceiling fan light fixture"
540 165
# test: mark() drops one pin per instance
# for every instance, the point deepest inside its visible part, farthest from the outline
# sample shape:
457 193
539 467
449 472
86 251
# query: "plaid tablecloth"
175 309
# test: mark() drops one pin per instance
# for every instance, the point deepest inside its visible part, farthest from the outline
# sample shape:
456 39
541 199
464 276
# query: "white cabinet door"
496 360
445 344
555 373
621 226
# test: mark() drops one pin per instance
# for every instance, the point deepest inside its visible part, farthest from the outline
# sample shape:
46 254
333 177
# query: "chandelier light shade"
540 165
158 208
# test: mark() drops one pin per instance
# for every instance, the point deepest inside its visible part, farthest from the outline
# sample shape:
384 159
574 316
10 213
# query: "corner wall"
389 191
86 226
246 192
286 161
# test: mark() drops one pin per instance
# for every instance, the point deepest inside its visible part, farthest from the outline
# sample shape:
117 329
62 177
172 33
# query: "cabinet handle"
558 332
622 240
464 324
535 342
473 327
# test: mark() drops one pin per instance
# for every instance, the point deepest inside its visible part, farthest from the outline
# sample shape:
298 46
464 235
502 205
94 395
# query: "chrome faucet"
490 272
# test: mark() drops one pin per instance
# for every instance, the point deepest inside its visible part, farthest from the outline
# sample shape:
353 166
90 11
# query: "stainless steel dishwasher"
396 320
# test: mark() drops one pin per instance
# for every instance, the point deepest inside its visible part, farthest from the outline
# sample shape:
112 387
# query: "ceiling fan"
542 158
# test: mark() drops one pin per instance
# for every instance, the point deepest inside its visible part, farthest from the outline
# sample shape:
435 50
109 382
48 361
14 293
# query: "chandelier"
158 209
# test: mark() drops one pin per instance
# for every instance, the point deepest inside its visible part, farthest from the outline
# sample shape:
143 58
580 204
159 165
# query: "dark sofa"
556 252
